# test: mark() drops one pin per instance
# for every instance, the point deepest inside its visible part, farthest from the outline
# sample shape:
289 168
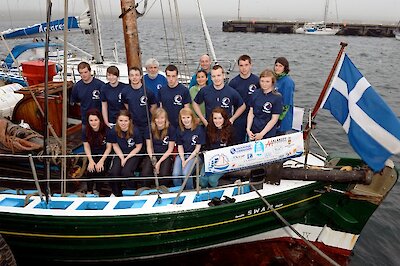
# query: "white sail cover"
78 23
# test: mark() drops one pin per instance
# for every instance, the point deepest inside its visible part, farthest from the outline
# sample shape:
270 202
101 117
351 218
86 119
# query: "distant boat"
318 28
397 31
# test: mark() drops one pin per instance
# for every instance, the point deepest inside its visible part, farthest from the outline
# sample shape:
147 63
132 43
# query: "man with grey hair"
153 80
205 64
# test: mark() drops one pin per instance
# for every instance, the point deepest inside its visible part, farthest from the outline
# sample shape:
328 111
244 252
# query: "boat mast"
207 34
98 46
65 105
238 9
131 35
46 135
326 10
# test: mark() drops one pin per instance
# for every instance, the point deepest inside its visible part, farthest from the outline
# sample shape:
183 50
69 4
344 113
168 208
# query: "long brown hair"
224 135
118 129
95 138
154 130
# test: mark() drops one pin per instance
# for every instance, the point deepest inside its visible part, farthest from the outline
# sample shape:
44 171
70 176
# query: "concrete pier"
354 29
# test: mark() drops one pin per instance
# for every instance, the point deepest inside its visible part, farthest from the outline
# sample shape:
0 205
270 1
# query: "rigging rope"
173 28
165 30
181 40
153 160
311 245
140 14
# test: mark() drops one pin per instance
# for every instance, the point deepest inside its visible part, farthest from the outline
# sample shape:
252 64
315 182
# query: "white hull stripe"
325 235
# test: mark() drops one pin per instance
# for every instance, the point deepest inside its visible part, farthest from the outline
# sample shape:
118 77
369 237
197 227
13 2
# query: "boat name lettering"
55 27
258 210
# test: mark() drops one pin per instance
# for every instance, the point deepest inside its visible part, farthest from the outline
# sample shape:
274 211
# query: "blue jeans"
178 171
209 179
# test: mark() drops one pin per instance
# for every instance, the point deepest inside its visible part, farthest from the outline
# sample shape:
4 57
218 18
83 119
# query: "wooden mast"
130 33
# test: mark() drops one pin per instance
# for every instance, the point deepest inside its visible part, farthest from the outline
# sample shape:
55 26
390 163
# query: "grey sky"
382 11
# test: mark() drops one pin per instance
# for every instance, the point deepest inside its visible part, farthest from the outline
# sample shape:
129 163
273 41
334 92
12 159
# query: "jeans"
178 171
209 179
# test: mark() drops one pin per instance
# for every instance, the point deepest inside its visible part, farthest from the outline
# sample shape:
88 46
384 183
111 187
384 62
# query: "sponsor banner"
253 153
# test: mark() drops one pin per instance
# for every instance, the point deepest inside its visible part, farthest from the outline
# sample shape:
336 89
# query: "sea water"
311 59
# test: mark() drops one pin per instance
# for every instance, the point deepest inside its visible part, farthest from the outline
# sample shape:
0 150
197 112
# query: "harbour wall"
349 29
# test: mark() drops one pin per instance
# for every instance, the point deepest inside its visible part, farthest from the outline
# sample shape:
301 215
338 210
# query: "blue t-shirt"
264 106
173 100
113 97
101 148
227 98
189 139
126 145
137 104
88 95
286 87
155 84
161 145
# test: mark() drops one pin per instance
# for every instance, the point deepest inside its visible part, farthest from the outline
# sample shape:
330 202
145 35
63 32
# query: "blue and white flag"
372 127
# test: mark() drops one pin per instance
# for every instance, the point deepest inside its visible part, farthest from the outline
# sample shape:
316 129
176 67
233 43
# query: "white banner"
253 153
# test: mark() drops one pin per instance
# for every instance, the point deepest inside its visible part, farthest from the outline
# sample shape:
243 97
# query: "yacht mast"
131 35
239 18
326 10
98 46
207 34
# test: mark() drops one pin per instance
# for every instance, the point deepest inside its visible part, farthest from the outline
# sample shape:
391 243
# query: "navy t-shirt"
189 139
88 95
113 97
161 145
173 100
227 98
126 145
264 106
98 149
137 104
219 143
245 87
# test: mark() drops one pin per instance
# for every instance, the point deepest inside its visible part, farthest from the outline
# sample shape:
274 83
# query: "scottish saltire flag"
372 127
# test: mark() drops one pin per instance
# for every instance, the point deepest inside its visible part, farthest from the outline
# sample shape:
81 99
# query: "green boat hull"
143 236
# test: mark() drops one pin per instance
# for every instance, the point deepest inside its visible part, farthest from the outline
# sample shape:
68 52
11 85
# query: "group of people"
157 125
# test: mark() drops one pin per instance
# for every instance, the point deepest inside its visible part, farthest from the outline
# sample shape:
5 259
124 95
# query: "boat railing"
77 173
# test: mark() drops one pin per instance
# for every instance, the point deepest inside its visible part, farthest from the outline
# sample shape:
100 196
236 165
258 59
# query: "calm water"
311 58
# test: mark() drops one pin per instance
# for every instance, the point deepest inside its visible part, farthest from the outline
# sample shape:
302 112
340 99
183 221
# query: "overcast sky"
386 11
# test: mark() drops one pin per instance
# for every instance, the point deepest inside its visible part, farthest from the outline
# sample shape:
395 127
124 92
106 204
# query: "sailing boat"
285 198
87 22
318 28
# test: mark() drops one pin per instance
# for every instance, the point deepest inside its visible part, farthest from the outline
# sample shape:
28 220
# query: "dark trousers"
127 170
102 174
165 170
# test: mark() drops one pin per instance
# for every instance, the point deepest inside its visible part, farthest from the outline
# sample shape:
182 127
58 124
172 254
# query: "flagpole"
325 88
